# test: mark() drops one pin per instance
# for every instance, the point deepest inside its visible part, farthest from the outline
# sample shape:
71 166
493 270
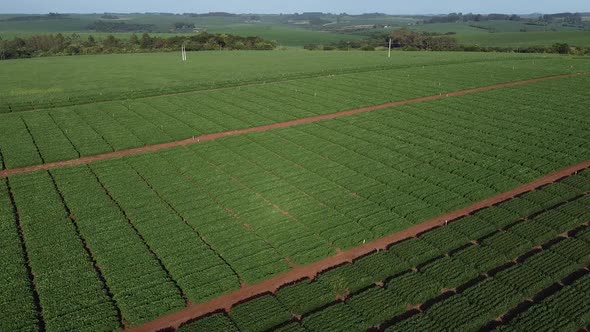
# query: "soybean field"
295 191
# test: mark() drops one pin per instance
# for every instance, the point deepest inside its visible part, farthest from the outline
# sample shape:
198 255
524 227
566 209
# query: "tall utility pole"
389 55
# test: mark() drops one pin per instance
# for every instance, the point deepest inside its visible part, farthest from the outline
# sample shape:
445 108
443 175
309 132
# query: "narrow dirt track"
214 136
227 301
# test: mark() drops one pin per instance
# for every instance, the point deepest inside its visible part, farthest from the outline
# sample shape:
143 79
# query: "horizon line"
293 13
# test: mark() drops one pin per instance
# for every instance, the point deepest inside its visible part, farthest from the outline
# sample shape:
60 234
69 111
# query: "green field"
86 79
276 27
527 39
82 130
520 26
285 35
116 243
509 34
269 27
414 272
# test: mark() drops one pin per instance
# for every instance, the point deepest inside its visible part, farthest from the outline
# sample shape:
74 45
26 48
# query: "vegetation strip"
227 301
543 294
91 256
506 317
31 277
214 136
227 85
449 292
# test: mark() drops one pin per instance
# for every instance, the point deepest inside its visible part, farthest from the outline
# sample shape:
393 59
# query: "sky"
292 6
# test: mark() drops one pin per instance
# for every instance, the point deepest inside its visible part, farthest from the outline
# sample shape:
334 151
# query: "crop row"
504 290
85 130
152 232
90 89
374 170
141 287
296 194
71 292
415 271
281 204
191 215
115 79
17 301
238 239
198 270
563 311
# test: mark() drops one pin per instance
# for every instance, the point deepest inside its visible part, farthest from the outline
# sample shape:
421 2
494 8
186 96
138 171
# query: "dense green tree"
146 41
44 45
561 48
110 42
91 41
134 40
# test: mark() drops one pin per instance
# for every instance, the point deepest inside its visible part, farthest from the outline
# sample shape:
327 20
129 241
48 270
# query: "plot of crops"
517 266
66 81
85 130
120 242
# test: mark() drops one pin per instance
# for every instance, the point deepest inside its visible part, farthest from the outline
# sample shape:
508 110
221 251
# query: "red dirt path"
227 301
214 136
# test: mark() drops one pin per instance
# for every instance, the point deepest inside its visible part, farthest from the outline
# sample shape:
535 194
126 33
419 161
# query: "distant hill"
50 16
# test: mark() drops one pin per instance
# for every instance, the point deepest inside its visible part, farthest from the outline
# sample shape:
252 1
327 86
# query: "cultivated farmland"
488 264
357 194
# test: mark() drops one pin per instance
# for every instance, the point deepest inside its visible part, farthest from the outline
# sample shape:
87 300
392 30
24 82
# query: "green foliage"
381 265
50 16
535 41
305 296
457 17
420 40
139 283
106 26
561 48
344 280
196 221
119 77
259 314
17 144
566 310
181 247
70 290
45 45
368 305
484 301
376 305
339 317
17 304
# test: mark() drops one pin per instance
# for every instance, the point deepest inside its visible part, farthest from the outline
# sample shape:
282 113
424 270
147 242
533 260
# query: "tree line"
111 27
568 18
470 17
409 40
74 44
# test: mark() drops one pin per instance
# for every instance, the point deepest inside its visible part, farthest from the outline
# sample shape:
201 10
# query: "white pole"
389 55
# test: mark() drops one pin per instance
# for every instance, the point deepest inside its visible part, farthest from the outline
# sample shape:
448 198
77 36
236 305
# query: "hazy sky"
291 6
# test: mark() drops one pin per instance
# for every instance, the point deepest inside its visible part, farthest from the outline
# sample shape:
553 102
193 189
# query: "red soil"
214 136
227 301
